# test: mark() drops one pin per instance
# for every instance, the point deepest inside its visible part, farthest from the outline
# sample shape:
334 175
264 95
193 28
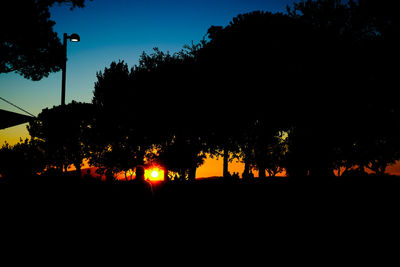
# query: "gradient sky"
114 30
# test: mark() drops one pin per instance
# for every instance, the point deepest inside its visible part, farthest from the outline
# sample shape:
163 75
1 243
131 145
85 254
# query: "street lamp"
73 38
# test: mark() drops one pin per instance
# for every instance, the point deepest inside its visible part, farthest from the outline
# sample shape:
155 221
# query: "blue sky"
114 30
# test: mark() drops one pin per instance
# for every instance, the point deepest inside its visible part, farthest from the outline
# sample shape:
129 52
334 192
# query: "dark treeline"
310 91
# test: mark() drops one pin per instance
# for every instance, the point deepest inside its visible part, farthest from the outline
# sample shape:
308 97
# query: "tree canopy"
307 91
64 131
28 44
305 73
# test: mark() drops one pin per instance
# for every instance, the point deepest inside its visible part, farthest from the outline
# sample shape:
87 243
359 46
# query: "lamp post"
74 38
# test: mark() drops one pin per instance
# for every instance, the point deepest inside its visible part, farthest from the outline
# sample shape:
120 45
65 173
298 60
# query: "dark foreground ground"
331 218
363 192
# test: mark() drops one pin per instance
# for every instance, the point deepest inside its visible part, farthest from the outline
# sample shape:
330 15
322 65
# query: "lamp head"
74 37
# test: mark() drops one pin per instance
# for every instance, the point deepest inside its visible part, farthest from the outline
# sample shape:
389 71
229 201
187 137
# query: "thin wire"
17 107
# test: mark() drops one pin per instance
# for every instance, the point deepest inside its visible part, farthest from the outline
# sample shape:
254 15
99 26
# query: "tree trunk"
382 169
261 172
166 178
246 172
64 168
192 173
78 168
182 175
226 162
60 168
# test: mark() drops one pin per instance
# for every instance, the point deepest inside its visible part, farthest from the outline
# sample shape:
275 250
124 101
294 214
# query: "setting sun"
154 174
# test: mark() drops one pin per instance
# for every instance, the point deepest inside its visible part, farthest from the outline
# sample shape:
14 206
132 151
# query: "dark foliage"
28 44
308 91
23 159
65 133
293 91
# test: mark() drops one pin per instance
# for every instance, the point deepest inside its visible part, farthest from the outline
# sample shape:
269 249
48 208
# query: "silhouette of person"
143 188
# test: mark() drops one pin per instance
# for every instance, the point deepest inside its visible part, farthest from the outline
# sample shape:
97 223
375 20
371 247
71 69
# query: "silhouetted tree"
311 68
342 33
120 137
304 73
376 147
28 44
271 155
22 160
183 156
64 131
246 64
149 106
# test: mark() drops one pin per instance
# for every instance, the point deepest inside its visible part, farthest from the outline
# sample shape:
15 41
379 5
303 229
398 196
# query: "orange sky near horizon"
212 167
12 135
